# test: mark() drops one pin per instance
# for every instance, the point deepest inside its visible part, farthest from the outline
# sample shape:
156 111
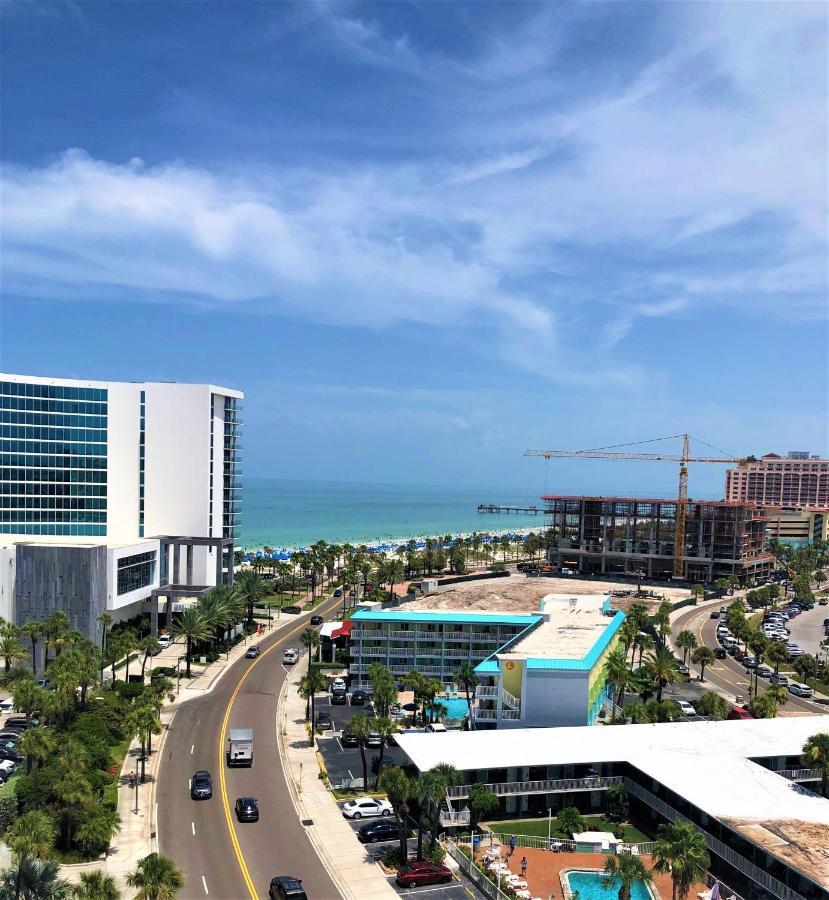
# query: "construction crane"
683 459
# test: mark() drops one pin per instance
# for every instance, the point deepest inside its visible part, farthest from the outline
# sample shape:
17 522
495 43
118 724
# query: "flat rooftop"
564 633
707 763
406 613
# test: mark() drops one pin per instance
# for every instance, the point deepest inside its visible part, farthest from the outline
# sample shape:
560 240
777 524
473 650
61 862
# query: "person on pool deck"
512 843
523 866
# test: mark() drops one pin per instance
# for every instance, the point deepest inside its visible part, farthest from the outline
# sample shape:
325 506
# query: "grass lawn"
538 828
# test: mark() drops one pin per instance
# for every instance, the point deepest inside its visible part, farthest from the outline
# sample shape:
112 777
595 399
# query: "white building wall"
7 565
123 427
552 697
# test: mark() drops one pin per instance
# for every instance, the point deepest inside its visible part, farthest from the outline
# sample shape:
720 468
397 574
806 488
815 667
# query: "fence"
535 842
484 885
548 786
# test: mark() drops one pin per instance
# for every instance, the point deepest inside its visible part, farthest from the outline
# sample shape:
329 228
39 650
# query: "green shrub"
128 691
166 671
436 854
8 803
392 858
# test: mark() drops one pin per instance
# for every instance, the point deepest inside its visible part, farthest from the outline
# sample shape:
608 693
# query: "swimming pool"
589 887
456 707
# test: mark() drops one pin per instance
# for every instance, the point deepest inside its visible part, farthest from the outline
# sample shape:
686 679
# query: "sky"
425 237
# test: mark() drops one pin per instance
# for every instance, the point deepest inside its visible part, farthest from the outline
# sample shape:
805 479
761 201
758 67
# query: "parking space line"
204 882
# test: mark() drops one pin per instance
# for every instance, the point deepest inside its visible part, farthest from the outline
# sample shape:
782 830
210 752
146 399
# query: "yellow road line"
234 839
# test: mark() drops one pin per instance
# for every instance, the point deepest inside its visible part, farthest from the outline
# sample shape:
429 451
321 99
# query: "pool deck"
544 869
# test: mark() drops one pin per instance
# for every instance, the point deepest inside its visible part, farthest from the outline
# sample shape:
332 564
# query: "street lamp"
178 673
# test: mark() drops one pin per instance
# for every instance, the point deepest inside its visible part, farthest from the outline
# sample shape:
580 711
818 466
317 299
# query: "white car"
164 641
686 707
366 806
338 684
800 690
289 657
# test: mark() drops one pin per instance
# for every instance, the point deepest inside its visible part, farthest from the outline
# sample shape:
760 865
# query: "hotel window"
135 572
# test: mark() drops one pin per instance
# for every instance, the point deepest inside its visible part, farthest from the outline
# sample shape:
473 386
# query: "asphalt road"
204 838
726 674
807 628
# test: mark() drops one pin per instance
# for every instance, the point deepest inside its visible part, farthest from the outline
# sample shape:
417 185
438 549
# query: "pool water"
456 707
589 887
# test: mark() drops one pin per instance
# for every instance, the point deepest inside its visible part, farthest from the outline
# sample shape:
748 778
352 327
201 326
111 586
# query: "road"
208 844
727 675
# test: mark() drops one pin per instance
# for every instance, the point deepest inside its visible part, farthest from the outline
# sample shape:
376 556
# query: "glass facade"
141 441
136 572
53 459
232 495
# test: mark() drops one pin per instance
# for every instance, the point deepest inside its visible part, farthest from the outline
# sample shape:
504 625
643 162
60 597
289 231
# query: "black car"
201 785
339 698
349 739
324 720
286 887
316 620
372 832
359 698
252 652
17 722
715 614
293 610
247 809
6 753
720 653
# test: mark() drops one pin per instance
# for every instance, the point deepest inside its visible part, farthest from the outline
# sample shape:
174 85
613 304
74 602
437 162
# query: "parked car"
164 641
765 671
349 739
359 698
13 736
338 684
736 651
7 705
737 712
289 657
8 766
825 622
201 785
247 809
686 707
21 722
779 680
286 887
750 662
316 619
374 740
324 720
372 832
719 653
423 872
339 698
436 727
338 592
366 806
715 614
11 755
252 652
794 650
44 683
683 669
293 610
800 690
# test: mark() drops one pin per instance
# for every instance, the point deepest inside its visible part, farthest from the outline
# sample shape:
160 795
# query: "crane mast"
682 496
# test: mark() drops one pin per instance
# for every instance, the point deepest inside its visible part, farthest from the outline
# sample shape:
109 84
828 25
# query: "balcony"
485 692
546 786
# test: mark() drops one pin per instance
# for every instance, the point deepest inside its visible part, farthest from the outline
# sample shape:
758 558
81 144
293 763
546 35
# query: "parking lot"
459 889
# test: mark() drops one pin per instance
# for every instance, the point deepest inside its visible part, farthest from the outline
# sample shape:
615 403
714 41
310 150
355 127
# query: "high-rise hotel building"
797 481
114 495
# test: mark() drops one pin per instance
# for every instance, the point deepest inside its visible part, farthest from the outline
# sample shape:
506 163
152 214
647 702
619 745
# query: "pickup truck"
240 747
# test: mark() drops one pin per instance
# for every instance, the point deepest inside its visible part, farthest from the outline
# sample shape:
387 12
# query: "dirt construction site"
518 593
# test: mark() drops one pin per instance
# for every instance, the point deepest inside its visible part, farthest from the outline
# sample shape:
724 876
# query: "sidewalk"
356 874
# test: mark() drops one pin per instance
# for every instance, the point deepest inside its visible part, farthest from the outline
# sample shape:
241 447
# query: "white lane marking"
189 784
339 744
193 826
205 885
192 748
350 775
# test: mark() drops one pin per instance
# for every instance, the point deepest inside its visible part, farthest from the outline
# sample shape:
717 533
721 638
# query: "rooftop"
433 617
707 763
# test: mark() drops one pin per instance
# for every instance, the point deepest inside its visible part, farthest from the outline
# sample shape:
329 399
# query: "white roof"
596 837
708 763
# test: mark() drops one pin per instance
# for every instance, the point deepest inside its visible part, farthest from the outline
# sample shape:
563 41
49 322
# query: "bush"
112 708
166 671
392 858
8 803
128 691
436 854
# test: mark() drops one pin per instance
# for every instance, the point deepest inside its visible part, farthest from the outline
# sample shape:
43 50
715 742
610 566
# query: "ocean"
282 513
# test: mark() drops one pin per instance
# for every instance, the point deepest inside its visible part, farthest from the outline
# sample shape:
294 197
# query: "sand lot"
517 593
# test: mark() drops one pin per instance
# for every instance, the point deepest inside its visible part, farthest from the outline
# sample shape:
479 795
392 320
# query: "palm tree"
142 720
156 878
95 831
149 647
96 885
468 680
430 790
618 673
34 879
309 639
193 628
383 726
712 705
250 589
682 851
662 667
30 837
399 789
777 654
11 650
628 631
359 727
37 745
702 657
32 630
216 609
448 776
73 789
816 756
28 697
309 685
686 641
625 869
644 643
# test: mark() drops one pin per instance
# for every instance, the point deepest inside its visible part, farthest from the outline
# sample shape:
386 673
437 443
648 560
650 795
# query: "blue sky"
424 237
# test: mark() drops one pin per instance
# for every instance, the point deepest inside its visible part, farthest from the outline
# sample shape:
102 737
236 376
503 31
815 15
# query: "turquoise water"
281 513
589 886
456 707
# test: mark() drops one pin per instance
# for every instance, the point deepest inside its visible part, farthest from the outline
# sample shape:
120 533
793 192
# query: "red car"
422 873
737 712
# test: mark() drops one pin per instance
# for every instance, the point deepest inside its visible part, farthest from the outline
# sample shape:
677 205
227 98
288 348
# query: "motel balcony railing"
799 774
494 715
488 692
545 786
510 699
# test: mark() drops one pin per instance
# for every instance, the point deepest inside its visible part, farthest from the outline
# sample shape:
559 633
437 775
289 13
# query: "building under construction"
636 535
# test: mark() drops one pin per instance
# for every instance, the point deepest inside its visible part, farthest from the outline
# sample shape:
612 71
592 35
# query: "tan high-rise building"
795 481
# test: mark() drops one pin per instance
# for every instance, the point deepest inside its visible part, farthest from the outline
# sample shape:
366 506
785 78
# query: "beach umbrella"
409 707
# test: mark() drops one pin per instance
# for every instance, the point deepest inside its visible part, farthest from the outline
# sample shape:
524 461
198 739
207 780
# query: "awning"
343 631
